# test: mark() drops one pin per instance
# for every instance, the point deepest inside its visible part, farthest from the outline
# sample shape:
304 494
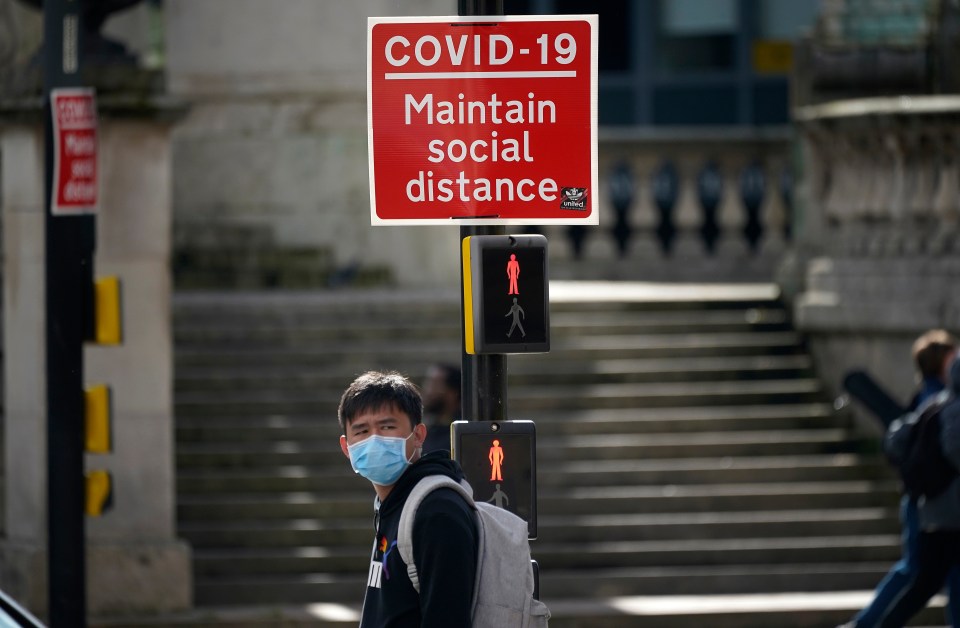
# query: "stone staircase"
692 471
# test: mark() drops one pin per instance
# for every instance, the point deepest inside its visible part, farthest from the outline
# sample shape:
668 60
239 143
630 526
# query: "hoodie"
444 550
943 511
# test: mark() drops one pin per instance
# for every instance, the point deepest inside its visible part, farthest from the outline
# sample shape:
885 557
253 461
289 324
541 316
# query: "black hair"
451 375
930 350
374 390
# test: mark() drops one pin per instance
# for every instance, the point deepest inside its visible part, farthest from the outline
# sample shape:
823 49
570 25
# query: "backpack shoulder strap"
409 514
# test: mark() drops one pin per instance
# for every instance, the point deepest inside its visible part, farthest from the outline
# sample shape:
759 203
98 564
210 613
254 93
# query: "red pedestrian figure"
513 272
496 460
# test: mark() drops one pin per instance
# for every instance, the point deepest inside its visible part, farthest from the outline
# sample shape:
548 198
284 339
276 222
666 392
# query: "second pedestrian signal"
505 294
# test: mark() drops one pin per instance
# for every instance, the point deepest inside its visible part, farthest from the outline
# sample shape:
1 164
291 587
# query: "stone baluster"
844 207
925 173
710 191
820 179
833 158
860 169
665 186
912 175
621 191
946 197
896 203
753 187
880 165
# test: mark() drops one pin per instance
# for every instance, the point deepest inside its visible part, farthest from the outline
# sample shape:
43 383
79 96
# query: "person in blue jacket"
938 542
932 353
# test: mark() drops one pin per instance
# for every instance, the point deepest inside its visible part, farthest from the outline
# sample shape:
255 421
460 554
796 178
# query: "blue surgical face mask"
380 459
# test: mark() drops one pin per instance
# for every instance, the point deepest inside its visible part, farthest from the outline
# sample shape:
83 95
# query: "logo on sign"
573 198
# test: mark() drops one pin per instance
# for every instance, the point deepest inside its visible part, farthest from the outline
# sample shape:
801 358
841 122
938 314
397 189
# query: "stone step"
521 373
660 472
684 446
685 419
538 370
696 445
405 352
573 529
557 449
757 610
602 500
598 396
339 588
528 398
324 327
638 473
336 480
822 609
711 579
197 310
836 522
578 296
263 429
210 563
698 552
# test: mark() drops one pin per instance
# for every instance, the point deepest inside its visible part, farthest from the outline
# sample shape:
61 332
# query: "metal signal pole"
484 377
69 244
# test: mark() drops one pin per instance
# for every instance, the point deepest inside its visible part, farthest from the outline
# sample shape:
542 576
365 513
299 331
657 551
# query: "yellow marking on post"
468 340
108 319
99 488
97 419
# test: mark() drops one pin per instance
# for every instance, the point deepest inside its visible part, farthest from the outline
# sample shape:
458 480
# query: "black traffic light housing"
506 300
499 460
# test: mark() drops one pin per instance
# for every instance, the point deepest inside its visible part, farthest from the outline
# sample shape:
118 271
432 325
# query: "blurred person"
937 549
441 405
932 354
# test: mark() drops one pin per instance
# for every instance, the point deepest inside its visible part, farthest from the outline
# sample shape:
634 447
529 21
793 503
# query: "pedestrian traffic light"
505 294
499 460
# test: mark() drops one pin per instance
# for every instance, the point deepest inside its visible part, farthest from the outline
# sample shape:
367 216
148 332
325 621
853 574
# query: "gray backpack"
503 591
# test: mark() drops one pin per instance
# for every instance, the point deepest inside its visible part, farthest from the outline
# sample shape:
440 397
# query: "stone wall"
135 562
276 141
879 244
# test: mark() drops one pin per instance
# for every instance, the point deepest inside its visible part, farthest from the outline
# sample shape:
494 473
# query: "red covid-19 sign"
75 186
483 120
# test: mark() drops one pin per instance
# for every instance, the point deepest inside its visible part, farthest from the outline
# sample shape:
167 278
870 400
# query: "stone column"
135 563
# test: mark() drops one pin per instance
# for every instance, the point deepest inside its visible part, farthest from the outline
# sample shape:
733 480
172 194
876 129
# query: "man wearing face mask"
381 418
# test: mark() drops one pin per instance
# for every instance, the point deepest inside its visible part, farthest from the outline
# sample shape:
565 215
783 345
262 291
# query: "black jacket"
444 549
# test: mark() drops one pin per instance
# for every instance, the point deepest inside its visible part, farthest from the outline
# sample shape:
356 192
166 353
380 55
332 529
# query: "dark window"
695 105
771 103
616 105
517 7
695 53
615 32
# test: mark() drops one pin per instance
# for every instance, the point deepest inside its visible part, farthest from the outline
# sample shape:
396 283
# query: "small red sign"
483 120
74 151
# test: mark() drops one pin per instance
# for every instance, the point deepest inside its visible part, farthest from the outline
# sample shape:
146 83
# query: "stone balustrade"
685 204
880 215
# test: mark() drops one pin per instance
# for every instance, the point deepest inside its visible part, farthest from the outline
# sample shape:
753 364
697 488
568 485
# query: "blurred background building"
270 178
809 144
